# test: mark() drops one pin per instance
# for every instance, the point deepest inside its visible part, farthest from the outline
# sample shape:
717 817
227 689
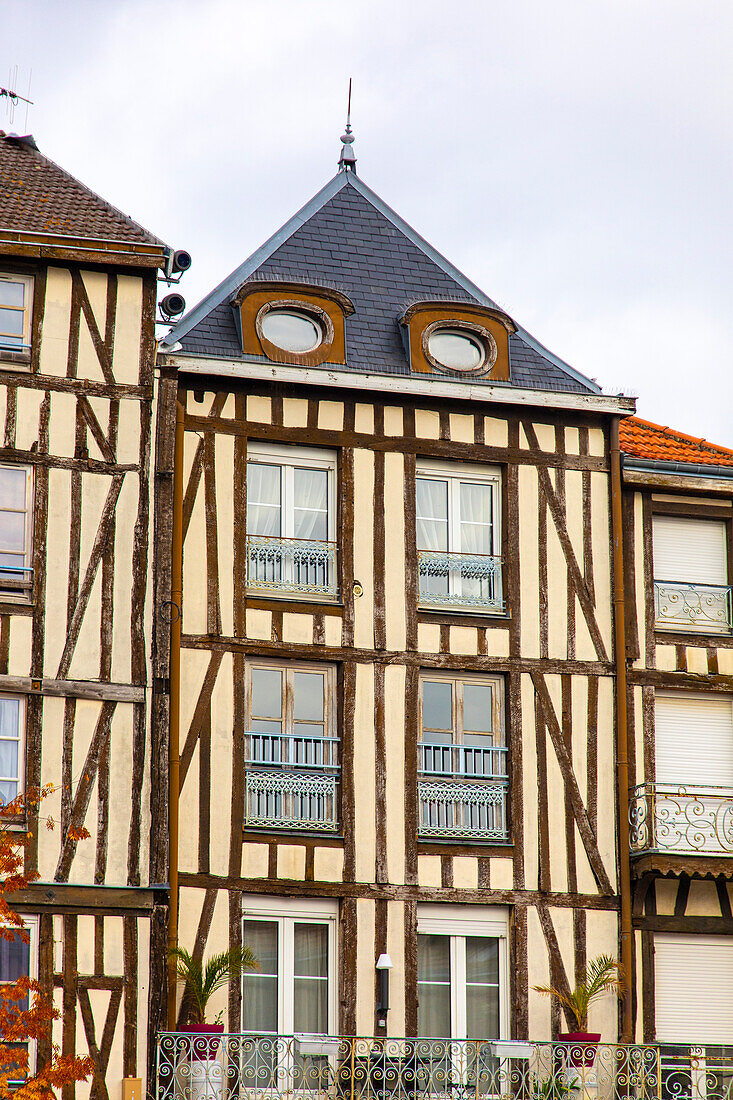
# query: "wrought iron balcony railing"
462 791
696 1072
318 1067
297 567
469 581
703 607
668 817
291 782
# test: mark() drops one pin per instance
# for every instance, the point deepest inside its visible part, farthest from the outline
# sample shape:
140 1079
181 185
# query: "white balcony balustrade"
468 581
462 791
707 608
293 567
291 782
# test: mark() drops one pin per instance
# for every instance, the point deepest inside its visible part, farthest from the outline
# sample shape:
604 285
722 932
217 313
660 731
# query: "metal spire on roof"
347 160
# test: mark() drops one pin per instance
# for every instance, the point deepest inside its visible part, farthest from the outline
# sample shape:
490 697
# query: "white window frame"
286 914
20 778
455 475
31 926
14 353
669 592
20 590
458 922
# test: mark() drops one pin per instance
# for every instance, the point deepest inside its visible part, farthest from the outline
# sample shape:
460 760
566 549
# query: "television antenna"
13 98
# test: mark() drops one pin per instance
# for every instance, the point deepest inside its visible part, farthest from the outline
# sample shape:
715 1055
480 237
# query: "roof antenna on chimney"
14 98
347 160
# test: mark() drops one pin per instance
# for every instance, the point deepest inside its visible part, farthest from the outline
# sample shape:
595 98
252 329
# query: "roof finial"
347 160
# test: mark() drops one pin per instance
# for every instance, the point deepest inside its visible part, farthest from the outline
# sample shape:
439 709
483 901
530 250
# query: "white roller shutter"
694 738
693 992
692 550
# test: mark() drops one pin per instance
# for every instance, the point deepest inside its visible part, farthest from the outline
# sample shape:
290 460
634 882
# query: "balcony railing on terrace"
291 782
470 581
197 1067
691 820
696 1072
296 567
703 607
462 791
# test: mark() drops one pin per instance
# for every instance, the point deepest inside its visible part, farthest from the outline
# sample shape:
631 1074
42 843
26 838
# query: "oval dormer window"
456 350
291 330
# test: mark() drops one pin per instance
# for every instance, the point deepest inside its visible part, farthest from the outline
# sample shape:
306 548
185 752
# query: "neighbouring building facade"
360 629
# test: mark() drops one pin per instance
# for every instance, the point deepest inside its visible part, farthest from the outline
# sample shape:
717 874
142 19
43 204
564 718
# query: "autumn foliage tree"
26 1012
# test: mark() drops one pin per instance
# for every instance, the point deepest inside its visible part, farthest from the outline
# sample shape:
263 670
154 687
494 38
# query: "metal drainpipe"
175 707
622 732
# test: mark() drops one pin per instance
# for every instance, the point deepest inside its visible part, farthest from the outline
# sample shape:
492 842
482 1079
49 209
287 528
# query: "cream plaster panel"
88 364
497 642
364 419
28 414
557 589
725 662
606 830
602 939
601 561
465 872
255 860
333 626
496 432
393 421
539 974
596 442
638 730
143 950
572 441
259 409
528 561
194 565
697 660
258 624
364 792
666 658
222 724
331 415
61 424
556 798
21 636
364 966
194 663
328 864
394 539
87 713
291 861
4 397
95 284
297 629
192 903
120 779
461 428
529 784
428 870
85 943
124 574
201 402
396 952
463 640
295 412
224 458
702 900
128 325
427 424
114 950
501 873
394 695
128 435
545 436
57 568
581 736
428 637
56 322
639 574
99 1003
364 547
666 891
228 411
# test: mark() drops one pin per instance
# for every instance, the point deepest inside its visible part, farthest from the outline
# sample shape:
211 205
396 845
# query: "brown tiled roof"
37 196
644 439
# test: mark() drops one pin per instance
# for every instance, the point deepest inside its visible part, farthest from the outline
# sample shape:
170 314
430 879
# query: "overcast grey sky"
573 158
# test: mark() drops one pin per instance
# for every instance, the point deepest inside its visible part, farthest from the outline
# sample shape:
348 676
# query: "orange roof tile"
644 439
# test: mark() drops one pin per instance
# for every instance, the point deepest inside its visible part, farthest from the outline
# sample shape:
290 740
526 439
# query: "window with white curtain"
19 959
458 526
462 972
12 748
15 532
291 520
294 989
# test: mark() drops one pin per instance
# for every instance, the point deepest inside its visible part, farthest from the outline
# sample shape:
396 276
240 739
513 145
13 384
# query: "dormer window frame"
326 307
487 326
478 334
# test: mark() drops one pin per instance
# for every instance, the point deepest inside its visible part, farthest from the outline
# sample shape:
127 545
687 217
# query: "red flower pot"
581 1047
204 1042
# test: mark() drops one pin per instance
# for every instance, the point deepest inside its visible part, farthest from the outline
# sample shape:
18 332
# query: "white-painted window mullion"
287 1010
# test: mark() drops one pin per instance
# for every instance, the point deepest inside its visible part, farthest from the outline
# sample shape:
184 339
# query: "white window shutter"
693 989
691 550
694 738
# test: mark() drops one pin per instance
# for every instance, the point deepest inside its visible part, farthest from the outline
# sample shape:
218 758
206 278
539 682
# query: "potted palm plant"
602 975
200 982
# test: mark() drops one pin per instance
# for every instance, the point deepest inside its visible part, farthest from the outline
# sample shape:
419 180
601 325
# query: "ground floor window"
18 959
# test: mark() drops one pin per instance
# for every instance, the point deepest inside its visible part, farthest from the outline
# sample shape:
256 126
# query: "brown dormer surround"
491 326
328 307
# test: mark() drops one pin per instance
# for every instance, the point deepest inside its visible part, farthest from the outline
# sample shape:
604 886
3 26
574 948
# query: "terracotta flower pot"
205 1041
582 1047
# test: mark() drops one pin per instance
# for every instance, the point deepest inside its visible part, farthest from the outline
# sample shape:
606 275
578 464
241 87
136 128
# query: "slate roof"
348 239
38 196
645 439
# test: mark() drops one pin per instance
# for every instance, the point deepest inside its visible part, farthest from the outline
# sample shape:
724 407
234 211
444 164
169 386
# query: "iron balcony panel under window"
291 548
462 759
691 583
459 538
292 767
